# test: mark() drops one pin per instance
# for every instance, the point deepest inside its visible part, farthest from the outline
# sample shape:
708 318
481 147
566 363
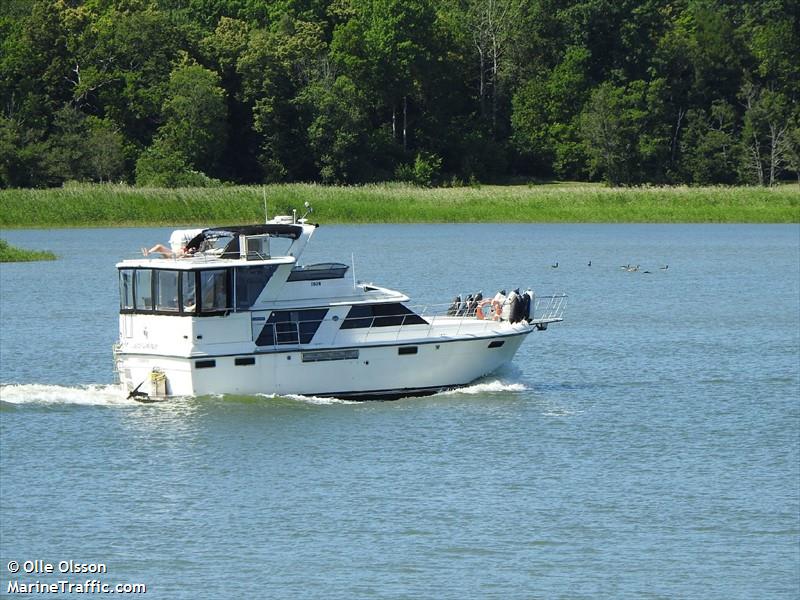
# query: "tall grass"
9 253
121 205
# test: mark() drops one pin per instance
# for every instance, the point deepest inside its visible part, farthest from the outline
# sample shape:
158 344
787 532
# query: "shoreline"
117 205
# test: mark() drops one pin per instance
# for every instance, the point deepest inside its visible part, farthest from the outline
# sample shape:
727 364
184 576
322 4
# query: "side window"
213 290
250 282
189 295
360 316
380 315
167 290
310 320
144 289
126 289
291 327
388 315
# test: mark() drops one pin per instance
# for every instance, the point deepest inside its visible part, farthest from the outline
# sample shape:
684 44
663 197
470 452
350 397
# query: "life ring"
479 310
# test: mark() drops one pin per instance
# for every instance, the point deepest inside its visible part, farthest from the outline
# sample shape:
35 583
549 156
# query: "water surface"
648 446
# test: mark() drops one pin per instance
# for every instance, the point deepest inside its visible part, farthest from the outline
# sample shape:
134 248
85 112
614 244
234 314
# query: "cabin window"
188 291
143 289
318 271
167 290
407 350
380 315
213 291
126 289
250 282
291 327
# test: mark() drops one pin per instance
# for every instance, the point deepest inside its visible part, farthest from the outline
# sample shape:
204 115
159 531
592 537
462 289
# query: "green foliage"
21 155
427 167
115 205
543 119
194 117
356 91
711 153
162 166
424 171
9 253
610 126
337 135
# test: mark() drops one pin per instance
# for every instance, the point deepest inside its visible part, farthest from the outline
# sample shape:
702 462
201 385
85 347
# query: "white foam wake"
488 387
90 395
308 399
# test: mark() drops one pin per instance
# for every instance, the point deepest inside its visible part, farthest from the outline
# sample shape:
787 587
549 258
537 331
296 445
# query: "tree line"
194 92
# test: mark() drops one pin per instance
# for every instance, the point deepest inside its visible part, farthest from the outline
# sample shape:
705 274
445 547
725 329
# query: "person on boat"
167 252
497 304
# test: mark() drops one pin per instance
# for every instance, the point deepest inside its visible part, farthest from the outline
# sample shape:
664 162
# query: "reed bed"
9 253
122 205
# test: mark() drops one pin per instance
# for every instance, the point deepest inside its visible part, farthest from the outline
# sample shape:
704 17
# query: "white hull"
225 316
379 371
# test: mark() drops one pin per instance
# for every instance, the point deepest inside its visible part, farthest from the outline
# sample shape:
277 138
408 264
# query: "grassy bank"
120 205
9 253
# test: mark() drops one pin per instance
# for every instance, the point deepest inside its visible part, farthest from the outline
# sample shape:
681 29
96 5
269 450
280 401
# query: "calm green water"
647 447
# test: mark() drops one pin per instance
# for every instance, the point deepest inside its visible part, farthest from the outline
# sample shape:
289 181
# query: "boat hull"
380 371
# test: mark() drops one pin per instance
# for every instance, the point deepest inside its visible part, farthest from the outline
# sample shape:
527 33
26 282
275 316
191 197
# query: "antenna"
266 215
309 210
353 262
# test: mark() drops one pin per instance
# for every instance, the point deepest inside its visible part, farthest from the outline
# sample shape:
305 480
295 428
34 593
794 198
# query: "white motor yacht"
221 314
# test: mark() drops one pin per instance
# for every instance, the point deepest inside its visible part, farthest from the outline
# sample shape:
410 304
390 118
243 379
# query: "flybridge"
250 242
231 310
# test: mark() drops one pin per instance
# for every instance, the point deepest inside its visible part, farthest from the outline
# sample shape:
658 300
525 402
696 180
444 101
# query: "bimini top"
214 233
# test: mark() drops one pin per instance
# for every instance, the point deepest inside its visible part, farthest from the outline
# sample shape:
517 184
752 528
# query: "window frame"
293 328
123 308
158 306
136 282
355 318
184 276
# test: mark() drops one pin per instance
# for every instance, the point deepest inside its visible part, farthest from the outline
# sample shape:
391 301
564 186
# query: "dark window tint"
496 344
244 360
359 316
407 350
318 271
143 289
126 289
291 327
250 282
380 315
205 364
189 291
213 290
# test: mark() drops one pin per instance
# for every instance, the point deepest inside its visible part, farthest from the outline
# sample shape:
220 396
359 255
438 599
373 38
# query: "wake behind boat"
219 313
